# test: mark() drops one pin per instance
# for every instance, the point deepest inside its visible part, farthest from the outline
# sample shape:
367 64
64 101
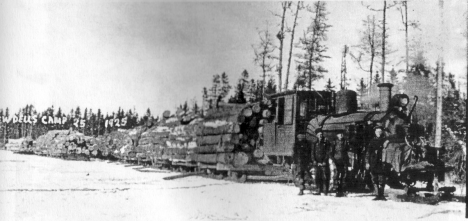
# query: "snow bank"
40 188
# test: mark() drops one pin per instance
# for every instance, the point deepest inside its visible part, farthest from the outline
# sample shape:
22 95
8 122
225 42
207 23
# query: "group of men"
314 158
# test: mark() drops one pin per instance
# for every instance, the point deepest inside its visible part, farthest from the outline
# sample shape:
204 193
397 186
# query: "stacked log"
63 143
15 145
170 139
118 144
231 134
181 138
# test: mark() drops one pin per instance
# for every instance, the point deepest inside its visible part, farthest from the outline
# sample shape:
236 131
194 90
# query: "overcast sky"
148 54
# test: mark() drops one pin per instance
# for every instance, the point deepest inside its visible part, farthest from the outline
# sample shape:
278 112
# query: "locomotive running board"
268 178
269 170
186 164
227 167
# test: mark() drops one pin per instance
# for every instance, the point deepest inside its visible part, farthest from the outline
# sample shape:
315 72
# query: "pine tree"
86 120
313 45
185 107
329 87
393 76
270 87
215 90
77 112
377 78
225 87
195 107
59 114
98 123
264 53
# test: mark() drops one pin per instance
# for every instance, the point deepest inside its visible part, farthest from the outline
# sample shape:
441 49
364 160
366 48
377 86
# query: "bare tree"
403 8
298 8
438 135
384 43
368 48
264 54
280 36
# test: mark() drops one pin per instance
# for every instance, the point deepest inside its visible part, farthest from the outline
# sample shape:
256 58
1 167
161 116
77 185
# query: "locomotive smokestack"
385 90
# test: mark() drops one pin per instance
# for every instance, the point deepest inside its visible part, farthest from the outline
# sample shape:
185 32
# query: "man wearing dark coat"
302 160
339 155
320 157
375 164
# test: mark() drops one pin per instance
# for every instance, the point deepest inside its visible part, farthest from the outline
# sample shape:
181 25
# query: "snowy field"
40 188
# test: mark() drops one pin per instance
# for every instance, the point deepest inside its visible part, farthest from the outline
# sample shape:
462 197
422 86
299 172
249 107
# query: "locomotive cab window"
280 116
285 110
303 108
288 110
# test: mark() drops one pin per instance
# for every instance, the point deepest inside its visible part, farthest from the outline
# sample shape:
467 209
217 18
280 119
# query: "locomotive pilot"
320 157
302 161
375 164
339 155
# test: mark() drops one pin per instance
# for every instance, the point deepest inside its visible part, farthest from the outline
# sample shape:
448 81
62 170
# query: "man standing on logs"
320 157
375 164
339 155
302 161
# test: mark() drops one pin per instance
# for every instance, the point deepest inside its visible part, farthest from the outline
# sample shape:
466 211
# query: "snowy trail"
40 188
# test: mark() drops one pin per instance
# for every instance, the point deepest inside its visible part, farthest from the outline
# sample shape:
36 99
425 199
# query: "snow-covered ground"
40 188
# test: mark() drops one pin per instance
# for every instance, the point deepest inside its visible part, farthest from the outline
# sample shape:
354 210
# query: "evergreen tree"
215 90
313 45
225 87
78 113
85 118
98 123
195 108
329 87
377 78
57 115
270 87
393 76
185 107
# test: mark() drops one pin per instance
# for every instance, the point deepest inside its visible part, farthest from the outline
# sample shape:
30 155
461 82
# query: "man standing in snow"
320 157
339 155
375 164
301 157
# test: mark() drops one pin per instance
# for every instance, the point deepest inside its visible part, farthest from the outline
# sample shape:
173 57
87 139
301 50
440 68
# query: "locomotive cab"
293 112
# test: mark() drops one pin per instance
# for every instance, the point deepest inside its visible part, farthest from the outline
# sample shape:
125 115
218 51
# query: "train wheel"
234 176
220 175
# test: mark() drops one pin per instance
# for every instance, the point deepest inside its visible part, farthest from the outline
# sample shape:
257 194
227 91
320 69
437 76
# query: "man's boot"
339 194
301 192
380 194
376 189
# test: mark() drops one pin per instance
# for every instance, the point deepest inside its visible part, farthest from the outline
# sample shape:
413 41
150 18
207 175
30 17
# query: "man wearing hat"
374 162
320 157
339 155
301 157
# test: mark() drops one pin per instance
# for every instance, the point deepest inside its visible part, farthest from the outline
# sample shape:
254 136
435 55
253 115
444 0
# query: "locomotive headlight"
403 102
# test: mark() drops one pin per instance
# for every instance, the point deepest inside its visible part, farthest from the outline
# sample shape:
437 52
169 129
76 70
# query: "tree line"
94 121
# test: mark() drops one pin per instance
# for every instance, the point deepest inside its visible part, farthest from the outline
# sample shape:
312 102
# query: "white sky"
105 54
